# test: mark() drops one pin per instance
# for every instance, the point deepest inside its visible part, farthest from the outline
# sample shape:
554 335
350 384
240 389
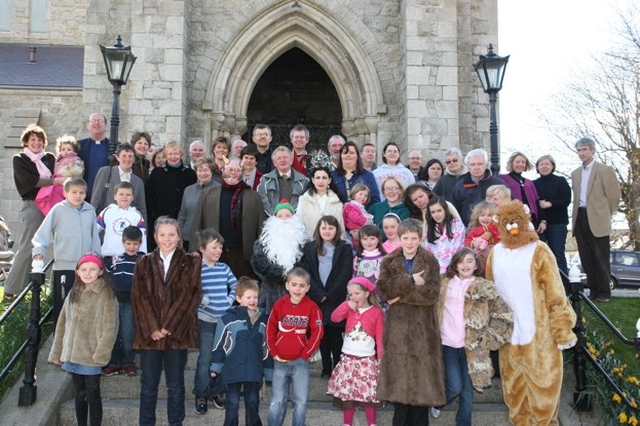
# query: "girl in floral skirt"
354 381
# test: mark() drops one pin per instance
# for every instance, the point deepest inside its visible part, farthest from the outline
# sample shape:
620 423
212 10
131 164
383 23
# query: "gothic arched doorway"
295 89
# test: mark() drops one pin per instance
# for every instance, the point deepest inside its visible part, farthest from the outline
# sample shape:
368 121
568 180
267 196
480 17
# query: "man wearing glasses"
94 150
262 140
453 171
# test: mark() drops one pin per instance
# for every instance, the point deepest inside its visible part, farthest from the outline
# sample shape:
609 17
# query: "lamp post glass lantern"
119 61
490 69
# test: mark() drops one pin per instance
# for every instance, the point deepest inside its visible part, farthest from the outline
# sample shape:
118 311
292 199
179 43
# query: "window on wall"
6 18
38 16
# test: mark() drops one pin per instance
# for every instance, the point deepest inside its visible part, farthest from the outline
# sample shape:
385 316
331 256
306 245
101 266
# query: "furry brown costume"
488 324
411 370
526 275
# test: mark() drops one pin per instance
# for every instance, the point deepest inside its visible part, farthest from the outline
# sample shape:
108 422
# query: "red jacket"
372 321
294 331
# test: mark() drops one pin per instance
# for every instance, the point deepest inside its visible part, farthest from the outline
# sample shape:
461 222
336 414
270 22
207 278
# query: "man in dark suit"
94 150
596 196
109 176
235 211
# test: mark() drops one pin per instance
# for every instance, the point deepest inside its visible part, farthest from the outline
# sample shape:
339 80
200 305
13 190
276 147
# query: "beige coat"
488 323
87 330
603 198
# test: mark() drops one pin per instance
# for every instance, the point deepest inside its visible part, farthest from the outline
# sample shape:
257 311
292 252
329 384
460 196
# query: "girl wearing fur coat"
85 333
473 321
165 296
412 370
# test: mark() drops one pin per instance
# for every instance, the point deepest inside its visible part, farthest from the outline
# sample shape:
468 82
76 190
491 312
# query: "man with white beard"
276 252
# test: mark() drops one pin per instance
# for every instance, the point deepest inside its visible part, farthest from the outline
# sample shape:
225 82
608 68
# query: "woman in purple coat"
522 188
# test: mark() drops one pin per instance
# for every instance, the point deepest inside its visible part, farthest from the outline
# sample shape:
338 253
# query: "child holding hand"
354 381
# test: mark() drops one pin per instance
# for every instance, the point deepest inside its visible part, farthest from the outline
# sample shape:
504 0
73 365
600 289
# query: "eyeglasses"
415 158
233 170
453 160
96 120
391 188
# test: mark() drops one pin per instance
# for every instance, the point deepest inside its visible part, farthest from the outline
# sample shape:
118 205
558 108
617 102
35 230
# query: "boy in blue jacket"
240 353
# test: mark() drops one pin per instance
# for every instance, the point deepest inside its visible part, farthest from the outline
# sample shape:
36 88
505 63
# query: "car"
625 268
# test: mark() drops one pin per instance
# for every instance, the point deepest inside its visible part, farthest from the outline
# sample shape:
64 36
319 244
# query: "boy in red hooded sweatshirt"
294 332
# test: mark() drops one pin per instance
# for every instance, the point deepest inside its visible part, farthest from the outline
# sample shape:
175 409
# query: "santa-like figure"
276 252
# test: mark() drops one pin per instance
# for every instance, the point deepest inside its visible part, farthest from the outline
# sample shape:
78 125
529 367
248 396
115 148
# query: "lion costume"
526 275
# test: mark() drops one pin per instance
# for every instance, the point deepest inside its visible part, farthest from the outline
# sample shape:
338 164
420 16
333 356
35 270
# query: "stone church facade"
373 70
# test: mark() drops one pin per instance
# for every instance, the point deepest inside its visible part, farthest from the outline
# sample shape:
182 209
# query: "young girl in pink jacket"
354 380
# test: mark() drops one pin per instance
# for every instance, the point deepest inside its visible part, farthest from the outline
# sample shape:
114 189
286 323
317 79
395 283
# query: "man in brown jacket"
596 196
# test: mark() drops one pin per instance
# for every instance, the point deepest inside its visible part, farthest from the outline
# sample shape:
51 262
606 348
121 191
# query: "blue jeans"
203 384
296 374
556 237
458 383
152 362
251 404
122 353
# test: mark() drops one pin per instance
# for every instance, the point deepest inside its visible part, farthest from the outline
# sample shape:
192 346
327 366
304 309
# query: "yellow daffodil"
633 421
616 398
622 417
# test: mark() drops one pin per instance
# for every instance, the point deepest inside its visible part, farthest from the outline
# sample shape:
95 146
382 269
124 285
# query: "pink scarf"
43 171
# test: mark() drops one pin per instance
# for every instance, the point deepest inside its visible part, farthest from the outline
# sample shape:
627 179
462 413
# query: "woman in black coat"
329 261
165 187
555 197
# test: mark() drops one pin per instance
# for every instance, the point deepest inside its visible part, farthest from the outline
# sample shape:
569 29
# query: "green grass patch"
13 334
623 312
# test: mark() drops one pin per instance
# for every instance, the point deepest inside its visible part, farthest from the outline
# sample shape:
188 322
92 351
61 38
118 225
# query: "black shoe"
325 374
219 401
200 406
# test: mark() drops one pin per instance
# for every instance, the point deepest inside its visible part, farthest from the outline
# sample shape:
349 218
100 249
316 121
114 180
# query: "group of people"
261 255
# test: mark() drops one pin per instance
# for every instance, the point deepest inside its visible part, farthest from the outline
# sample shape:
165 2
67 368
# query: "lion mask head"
513 220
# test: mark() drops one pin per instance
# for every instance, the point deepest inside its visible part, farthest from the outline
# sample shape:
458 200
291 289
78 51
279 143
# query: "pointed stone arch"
316 32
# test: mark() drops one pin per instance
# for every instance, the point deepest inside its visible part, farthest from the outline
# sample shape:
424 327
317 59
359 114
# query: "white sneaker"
435 412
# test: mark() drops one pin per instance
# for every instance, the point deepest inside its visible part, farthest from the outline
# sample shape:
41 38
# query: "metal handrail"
582 354
31 344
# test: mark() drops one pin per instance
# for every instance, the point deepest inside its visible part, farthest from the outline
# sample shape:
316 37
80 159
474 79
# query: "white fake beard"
283 240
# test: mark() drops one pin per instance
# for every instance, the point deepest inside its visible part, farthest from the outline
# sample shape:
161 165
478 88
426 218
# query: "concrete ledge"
54 388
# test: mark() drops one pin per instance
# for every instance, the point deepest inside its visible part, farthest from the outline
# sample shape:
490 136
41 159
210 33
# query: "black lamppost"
119 60
490 69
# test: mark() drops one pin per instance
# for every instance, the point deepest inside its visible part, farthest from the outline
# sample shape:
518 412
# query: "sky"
545 39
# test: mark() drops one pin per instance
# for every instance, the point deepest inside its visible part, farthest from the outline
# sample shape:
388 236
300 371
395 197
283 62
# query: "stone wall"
65 23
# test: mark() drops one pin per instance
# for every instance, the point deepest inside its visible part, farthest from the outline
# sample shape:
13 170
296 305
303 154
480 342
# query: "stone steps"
121 402
125 412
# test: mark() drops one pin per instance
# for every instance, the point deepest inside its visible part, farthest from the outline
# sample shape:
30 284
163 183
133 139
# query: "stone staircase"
120 398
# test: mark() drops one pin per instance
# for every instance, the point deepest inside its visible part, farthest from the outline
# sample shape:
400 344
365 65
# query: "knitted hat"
284 204
90 258
363 282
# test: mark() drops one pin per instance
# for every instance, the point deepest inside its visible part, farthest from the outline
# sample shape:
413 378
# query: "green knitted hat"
284 204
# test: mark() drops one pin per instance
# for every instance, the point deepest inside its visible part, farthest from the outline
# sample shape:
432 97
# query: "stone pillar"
154 98
431 75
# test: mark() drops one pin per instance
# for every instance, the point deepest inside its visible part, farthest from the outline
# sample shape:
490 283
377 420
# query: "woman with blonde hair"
522 188
166 185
